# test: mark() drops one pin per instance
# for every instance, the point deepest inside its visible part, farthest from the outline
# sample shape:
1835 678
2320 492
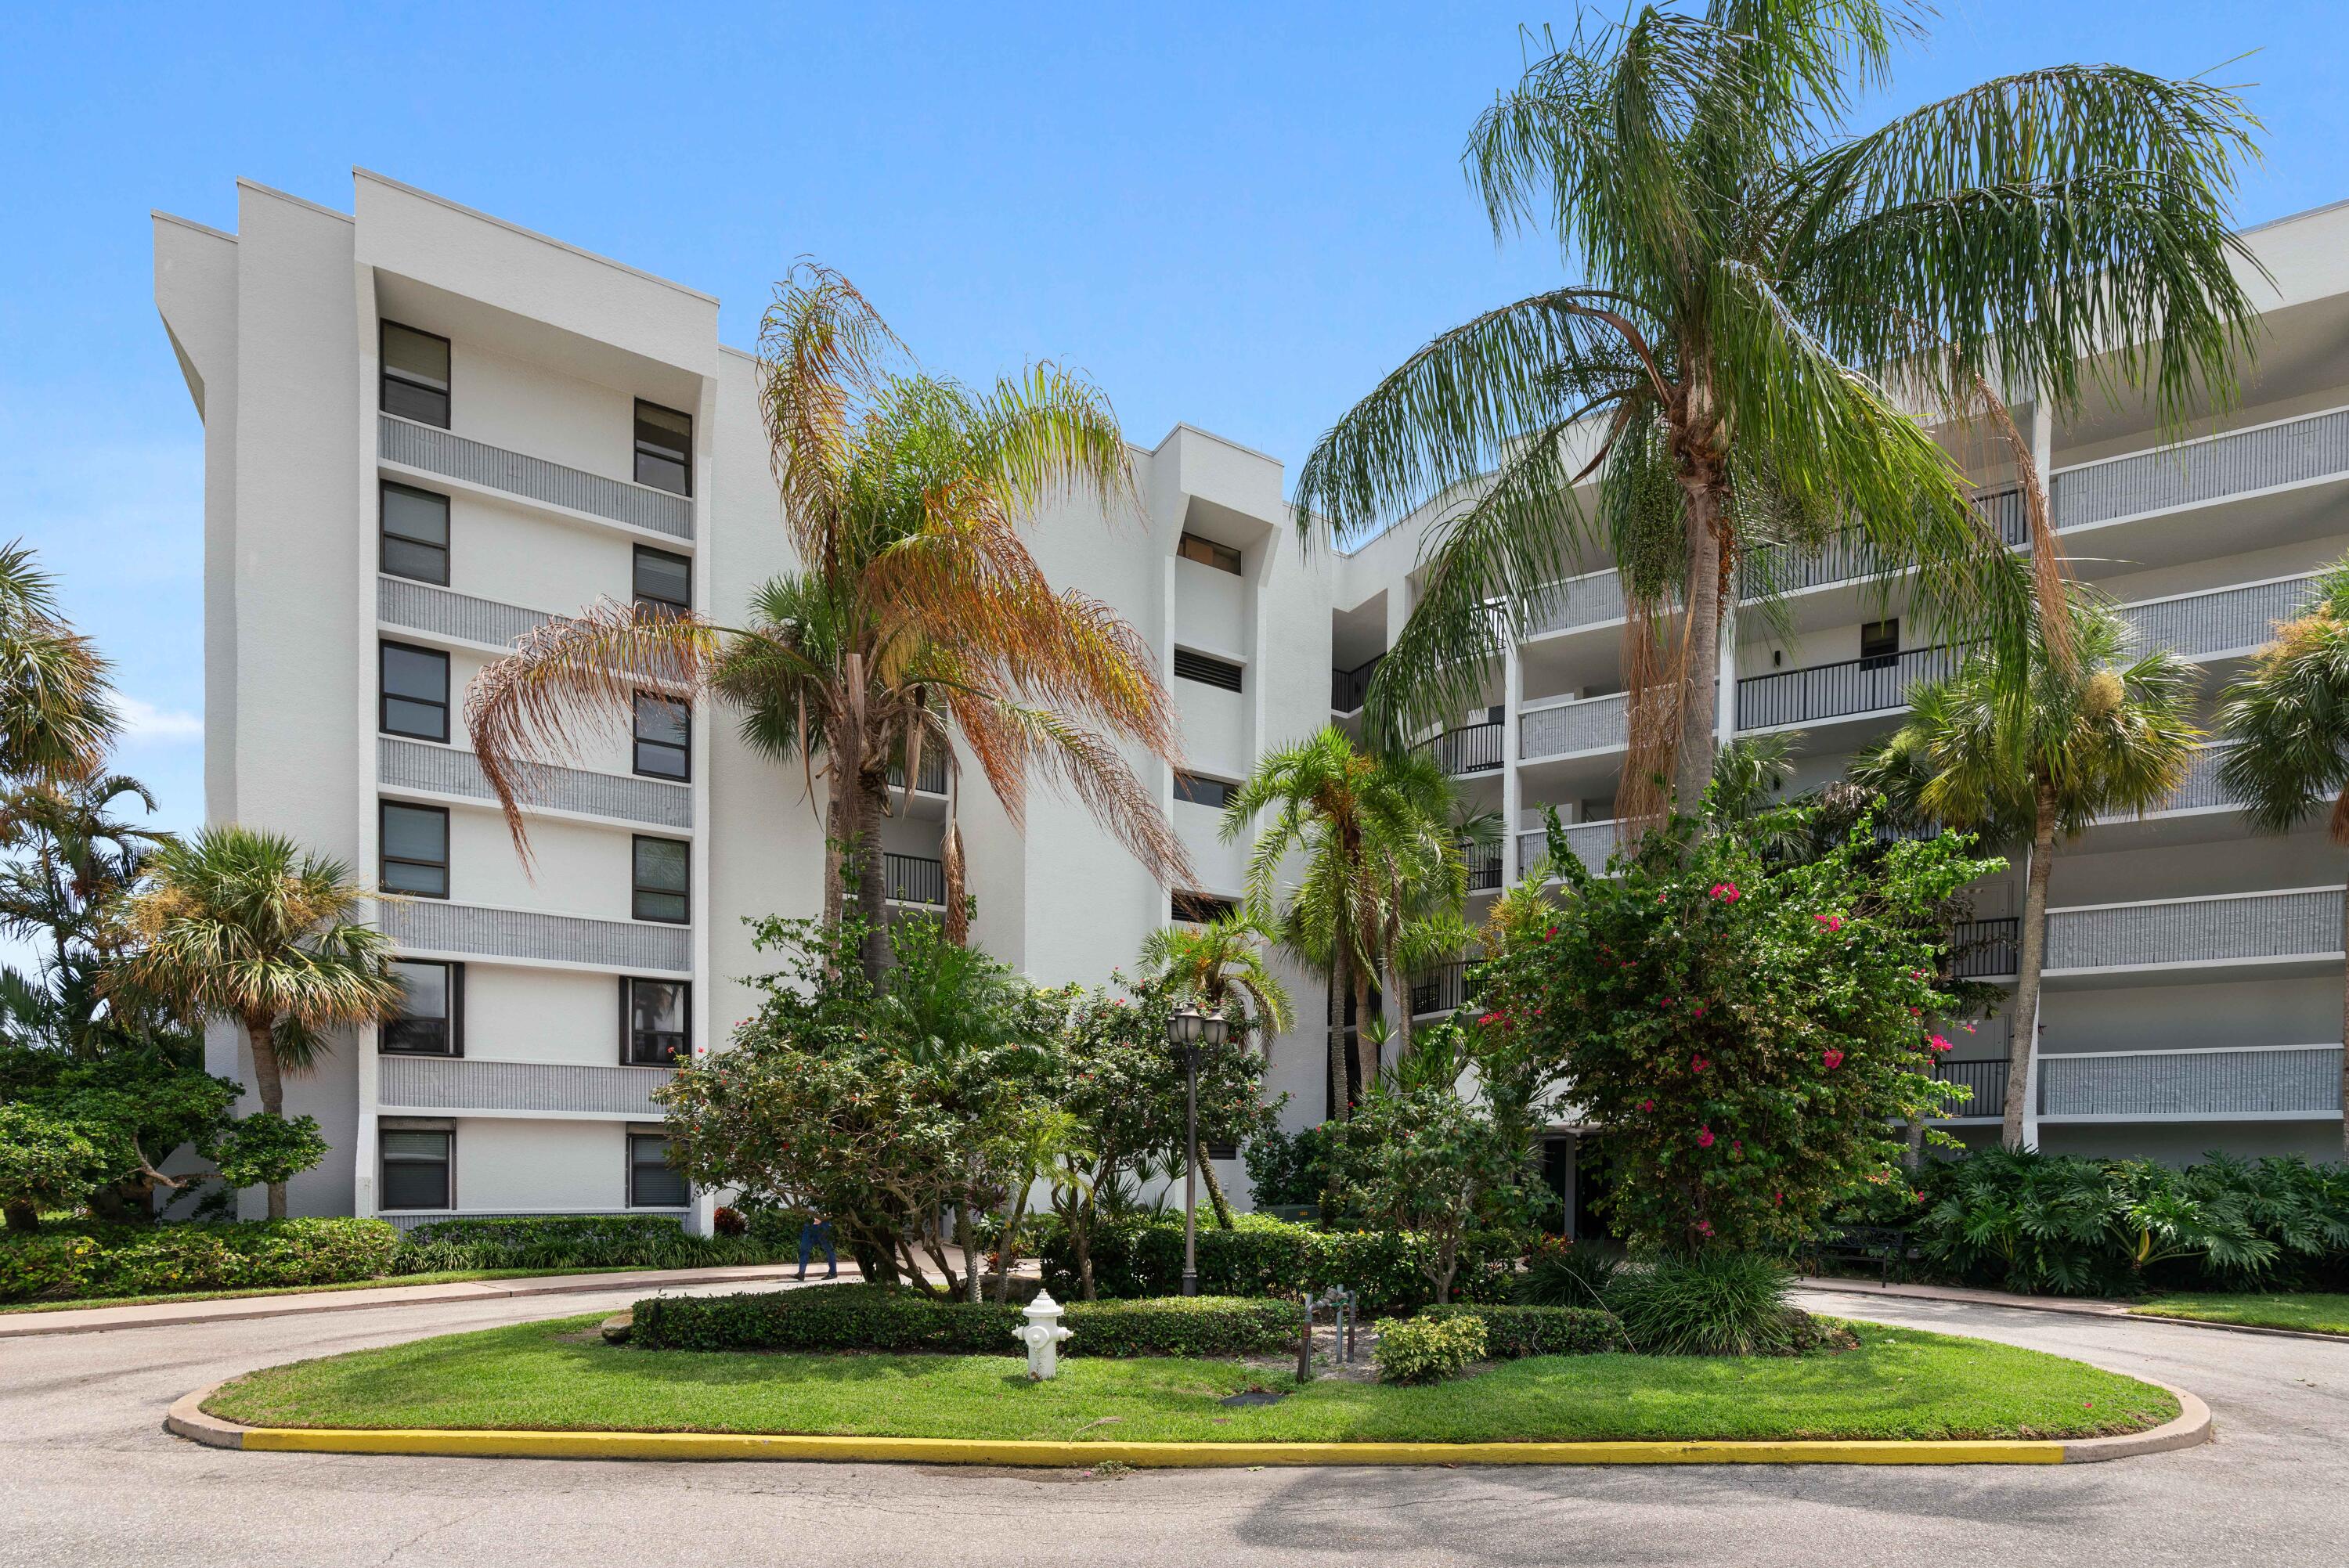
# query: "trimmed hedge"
58 1263
1513 1332
892 1318
1263 1256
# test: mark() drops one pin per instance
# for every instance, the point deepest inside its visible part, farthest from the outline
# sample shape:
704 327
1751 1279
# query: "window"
1203 667
663 447
660 883
415 374
664 582
415 541
1207 552
417 1166
415 698
653 1181
1879 644
664 736
1223 1152
654 1015
431 1021
1199 908
415 850
1203 791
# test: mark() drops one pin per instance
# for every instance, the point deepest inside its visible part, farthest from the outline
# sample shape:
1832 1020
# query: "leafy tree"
1764 297
915 609
2288 719
243 924
47 1162
1222 963
1440 1167
2093 734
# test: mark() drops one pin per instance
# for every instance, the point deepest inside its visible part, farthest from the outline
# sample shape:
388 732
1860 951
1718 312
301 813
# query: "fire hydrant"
1043 1335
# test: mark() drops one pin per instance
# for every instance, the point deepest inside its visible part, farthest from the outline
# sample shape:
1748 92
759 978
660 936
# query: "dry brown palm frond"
1655 681
2049 570
822 348
1007 738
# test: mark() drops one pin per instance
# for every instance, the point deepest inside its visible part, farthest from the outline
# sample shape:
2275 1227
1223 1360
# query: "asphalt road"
89 1477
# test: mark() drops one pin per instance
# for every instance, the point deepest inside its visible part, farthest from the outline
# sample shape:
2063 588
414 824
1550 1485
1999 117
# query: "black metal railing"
1483 871
1985 947
932 779
1838 690
1444 989
913 878
1348 687
1470 748
1987 1079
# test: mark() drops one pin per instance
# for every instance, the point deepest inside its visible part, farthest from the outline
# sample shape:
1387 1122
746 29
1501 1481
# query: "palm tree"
1360 821
2096 733
56 713
243 924
1766 298
915 609
76 866
1222 963
2288 717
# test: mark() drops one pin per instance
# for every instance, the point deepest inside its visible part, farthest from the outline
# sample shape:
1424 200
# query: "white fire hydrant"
1043 1335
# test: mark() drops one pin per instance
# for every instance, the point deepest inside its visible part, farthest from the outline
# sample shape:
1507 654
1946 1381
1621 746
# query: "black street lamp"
1187 1028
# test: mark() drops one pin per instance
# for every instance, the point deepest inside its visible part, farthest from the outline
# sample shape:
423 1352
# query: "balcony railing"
933 778
407 1084
1838 690
2289 451
1565 729
402 602
1444 989
2220 621
2237 928
1590 600
913 878
2254 1081
446 770
1484 870
434 925
1985 947
1348 687
453 456
1469 749
1987 1079
1592 843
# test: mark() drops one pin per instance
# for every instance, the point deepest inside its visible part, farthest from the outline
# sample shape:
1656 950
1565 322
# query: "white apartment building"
428 430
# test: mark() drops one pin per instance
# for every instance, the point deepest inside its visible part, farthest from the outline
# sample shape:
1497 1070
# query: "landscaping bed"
2309 1312
1897 1384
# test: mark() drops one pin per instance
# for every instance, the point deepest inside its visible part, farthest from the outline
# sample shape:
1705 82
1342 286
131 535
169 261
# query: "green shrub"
1564 1272
589 1242
1263 1256
49 1264
891 1318
1512 1332
1427 1350
130 1259
1711 1303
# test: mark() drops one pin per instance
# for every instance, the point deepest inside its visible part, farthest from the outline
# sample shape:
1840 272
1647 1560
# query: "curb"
188 1420
2106 1311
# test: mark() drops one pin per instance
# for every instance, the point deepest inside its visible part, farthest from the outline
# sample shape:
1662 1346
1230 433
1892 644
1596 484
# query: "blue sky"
1237 215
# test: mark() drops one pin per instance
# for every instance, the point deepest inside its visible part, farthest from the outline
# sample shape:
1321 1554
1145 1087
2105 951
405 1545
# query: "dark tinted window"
1203 791
430 1009
663 447
664 582
1199 908
655 1014
414 692
1208 669
415 850
415 534
415 374
1207 552
1879 643
416 1169
653 1181
664 736
661 885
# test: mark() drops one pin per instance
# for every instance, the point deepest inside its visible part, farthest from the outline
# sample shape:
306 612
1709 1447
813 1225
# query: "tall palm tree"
243 924
1764 300
56 713
1357 818
67 885
1223 962
2097 732
914 612
2289 719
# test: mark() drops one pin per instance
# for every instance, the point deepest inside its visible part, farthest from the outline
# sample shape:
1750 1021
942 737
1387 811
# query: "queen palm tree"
2097 732
1764 300
2288 717
243 924
1222 963
57 715
914 612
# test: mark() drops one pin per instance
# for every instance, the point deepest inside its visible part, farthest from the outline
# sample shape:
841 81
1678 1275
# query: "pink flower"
1550 933
1490 1018
1647 1105
1832 922
1833 1059
1735 1146
1969 1028
1937 1043
1778 1198
1725 891
1659 898
1704 1227
1698 1064
1700 1010
1704 1138
1915 1012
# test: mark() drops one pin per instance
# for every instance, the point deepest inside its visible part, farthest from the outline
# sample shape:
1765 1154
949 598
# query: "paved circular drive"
88 1476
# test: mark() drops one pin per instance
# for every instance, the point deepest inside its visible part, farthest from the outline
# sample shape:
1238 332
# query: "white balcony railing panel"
402 602
2199 624
1593 724
2288 1081
446 770
2238 928
2291 451
407 1083
1585 601
453 456
432 925
1591 842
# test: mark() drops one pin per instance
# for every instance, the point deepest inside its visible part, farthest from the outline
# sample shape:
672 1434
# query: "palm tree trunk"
872 889
2022 1028
1215 1199
1399 988
1341 1068
1366 1061
1701 691
839 826
271 1085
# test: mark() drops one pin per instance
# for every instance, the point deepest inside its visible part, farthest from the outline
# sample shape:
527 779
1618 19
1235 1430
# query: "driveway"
89 1477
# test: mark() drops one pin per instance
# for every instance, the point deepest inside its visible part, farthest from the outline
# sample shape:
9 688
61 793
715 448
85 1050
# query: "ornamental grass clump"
1427 1350
1712 1302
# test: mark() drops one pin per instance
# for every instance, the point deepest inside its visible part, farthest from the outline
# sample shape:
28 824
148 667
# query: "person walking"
816 1231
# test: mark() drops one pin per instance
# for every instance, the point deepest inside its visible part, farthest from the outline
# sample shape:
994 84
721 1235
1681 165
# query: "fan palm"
2289 719
2093 733
57 715
1764 298
242 924
75 865
915 609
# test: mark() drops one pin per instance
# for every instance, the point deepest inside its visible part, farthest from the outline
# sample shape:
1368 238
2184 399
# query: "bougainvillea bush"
1754 1031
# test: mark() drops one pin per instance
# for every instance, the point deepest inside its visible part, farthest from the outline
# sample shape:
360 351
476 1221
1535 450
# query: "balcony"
1441 990
421 607
452 457
1987 1079
1484 870
913 878
2234 1083
1574 728
446 770
2300 925
428 1085
1592 843
1845 690
2212 467
477 931
1469 749
1592 598
1348 688
933 778
1985 948
2222 621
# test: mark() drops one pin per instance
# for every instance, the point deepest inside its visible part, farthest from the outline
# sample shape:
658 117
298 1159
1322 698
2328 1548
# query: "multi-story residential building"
428 430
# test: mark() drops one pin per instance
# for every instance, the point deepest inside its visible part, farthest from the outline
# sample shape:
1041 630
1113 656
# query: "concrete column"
1513 695
1724 718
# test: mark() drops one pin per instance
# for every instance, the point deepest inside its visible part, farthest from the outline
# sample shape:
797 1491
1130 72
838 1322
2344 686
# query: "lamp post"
1186 1029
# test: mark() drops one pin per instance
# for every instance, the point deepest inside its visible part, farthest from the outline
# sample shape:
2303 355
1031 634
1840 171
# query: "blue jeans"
813 1234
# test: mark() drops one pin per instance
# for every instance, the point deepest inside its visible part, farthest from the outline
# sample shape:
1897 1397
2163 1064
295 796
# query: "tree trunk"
2022 1028
1340 1060
23 1218
1215 1199
1399 988
872 888
967 1238
1081 1237
1700 693
1366 1060
271 1085
839 827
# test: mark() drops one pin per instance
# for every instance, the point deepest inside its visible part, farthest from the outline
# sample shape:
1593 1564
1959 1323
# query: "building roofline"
159 216
2316 211
406 189
245 184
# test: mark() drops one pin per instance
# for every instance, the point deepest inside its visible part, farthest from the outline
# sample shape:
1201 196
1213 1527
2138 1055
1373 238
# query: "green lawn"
558 1376
451 1276
2314 1312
